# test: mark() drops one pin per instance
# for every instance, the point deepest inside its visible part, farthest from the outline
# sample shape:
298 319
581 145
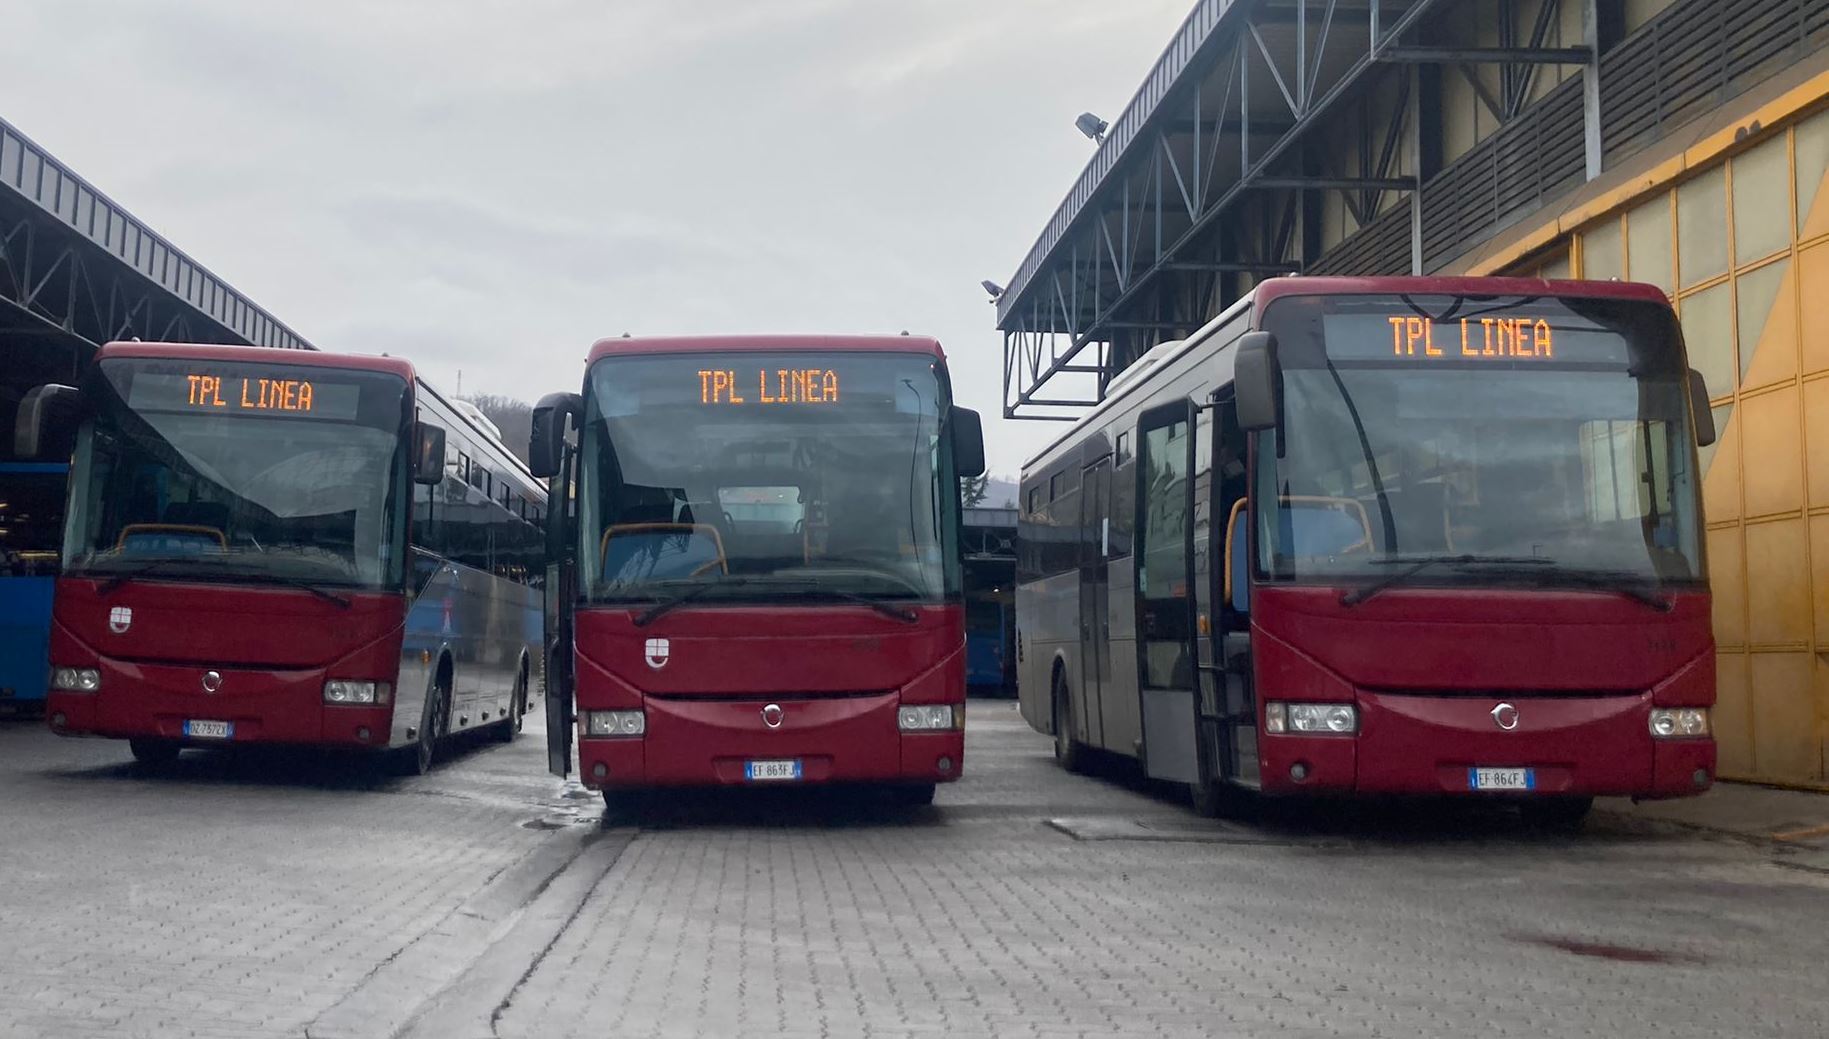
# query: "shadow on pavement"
799 808
271 766
1374 821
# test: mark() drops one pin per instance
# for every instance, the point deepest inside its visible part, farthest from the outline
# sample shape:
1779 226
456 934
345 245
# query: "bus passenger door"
1230 644
1095 616
1166 655
561 600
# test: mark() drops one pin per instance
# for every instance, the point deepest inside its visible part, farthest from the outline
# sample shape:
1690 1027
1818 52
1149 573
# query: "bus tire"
153 753
417 759
1071 753
517 710
911 795
1560 814
625 807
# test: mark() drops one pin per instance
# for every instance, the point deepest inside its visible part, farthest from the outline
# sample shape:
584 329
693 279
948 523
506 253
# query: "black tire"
911 795
1559 814
625 807
517 711
434 724
1211 799
1071 753
153 753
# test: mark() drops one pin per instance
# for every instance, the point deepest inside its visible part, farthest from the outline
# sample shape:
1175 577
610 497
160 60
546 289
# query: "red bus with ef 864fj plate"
757 572
1408 536
284 547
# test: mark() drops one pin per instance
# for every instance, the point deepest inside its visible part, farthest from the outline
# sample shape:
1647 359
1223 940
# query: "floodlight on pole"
1092 126
993 289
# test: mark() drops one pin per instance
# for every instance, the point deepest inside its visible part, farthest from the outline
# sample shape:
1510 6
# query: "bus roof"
260 355
1301 285
903 343
1331 286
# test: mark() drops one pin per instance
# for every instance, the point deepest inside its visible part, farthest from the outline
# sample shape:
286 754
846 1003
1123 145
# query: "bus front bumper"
171 702
1434 745
731 742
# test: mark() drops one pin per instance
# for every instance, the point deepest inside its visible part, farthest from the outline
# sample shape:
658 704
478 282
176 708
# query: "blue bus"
31 538
987 643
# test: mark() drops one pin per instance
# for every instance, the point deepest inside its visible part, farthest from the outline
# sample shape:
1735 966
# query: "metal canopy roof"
77 270
1207 181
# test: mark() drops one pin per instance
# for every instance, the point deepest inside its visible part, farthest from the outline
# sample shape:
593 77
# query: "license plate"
1501 779
209 730
757 771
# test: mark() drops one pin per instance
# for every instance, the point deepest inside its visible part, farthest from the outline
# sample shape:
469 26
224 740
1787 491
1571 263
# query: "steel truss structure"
1262 111
77 270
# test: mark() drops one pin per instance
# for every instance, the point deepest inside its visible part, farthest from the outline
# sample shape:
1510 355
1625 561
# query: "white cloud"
493 184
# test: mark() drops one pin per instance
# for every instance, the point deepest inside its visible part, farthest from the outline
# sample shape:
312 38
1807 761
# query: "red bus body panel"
1426 668
838 673
273 646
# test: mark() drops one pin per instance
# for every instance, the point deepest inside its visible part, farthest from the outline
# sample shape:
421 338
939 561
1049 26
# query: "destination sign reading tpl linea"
227 392
1489 338
768 386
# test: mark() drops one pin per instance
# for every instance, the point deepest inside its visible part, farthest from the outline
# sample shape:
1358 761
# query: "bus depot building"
1683 143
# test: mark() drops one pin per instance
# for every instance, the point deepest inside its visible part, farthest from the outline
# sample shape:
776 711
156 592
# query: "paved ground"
273 898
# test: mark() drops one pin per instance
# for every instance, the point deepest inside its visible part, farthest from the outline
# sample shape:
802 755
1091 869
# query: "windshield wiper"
299 582
124 576
1417 564
901 613
1620 582
665 606
121 577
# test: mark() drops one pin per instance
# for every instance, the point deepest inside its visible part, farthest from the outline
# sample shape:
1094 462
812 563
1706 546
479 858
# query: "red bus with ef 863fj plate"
1409 536
757 572
284 547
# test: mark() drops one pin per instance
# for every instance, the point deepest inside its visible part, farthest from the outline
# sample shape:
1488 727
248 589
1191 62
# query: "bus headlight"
76 679
1326 719
615 723
1679 723
928 718
340 691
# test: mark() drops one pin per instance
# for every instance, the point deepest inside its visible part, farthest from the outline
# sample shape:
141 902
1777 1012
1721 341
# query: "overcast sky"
490 185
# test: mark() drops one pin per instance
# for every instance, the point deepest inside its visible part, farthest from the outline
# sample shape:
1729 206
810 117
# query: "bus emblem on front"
120 619
1505 716
657 653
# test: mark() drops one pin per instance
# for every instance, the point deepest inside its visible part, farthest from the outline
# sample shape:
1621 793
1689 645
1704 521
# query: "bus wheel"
625 807
911 795
1563 814
154 753
517 711
417 761
1067 750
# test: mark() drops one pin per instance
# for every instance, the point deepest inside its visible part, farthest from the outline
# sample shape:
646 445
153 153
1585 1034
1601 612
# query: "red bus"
757 565
1385 536
284 547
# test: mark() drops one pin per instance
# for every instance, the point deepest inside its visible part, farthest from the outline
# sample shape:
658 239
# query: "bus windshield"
767 477
206 470
1540 436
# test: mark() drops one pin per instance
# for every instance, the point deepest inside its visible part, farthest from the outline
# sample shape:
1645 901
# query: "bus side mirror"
46 424
1698 405
428 453
968 442
1258 382
546 440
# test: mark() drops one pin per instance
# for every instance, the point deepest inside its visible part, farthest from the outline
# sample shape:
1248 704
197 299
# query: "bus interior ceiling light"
1092 126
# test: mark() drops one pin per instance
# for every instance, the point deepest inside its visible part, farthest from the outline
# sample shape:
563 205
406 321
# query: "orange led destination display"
216 392
768 386
1495 338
